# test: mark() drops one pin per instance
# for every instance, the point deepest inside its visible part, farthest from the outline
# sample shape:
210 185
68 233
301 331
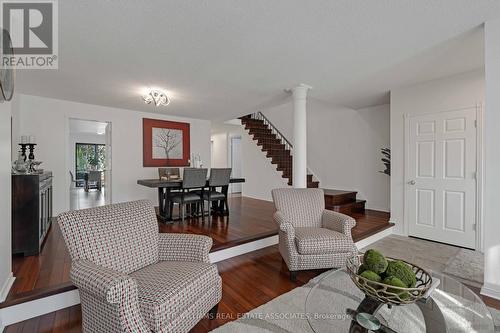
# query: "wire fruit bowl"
386 293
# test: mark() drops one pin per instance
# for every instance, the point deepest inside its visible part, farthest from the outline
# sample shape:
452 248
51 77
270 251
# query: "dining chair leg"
226 211
183 211
202 204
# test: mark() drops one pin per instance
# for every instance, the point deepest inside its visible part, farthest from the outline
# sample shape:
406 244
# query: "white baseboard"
378 209
491 290
24 311
242 249
374 238
39 307
6 287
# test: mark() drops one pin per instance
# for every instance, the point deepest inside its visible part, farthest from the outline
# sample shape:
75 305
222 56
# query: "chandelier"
157 97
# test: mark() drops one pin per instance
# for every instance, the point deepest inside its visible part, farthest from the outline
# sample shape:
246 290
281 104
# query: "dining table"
165 187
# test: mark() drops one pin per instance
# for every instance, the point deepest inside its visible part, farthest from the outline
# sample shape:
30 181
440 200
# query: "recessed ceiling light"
157 97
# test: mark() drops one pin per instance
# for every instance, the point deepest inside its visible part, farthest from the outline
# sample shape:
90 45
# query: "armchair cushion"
184 247
168 288
321 241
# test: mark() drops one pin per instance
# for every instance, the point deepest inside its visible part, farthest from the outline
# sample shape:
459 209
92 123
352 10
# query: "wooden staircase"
275 146
279 149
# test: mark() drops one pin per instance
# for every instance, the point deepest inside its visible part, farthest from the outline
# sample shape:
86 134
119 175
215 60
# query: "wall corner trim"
6 287
491 290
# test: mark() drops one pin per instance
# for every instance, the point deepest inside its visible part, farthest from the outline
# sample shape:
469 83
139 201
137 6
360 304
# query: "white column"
491 194
299 136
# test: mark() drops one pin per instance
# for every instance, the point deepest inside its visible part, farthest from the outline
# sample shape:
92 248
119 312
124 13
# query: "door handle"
411 182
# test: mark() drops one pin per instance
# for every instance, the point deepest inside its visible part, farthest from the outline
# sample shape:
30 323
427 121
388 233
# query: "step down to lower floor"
349 208
344 202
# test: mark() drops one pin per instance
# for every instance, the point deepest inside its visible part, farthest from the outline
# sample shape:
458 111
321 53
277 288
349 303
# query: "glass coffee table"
334 301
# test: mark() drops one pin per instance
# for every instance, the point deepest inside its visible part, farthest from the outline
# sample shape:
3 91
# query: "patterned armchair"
132 278
311 237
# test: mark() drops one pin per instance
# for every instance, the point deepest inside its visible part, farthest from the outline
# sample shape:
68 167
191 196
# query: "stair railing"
260 116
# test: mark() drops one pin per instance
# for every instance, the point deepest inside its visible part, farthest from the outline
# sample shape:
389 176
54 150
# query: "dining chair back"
95 176
219 177
73 179
94 180
194 178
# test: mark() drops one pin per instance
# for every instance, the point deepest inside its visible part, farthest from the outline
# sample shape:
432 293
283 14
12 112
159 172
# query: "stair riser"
277 153
263 132
266 145
350 208
282 160
340 199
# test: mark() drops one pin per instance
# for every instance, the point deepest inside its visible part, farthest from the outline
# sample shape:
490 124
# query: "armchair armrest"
184 247
284 225
338 222
103 283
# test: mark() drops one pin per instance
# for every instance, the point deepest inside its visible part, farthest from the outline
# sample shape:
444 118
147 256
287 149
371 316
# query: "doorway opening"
235 160
90 163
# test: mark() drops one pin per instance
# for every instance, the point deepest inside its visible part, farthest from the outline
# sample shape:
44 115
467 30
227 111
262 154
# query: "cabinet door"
42 215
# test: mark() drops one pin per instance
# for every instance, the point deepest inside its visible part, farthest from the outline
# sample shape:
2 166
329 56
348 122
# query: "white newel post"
491 137
300 136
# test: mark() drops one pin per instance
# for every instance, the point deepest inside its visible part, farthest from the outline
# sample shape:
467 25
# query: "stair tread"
358 201
338 192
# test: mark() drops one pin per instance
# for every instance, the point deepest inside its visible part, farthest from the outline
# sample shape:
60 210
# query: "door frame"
230 138
479 169
68 119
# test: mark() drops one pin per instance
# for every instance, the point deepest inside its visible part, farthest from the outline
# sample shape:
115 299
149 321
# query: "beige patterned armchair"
132 278
311 237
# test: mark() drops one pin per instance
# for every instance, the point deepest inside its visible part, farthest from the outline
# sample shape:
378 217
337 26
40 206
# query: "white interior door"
441 179
236 162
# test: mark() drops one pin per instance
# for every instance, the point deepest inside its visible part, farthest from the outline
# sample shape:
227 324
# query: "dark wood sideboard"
31 212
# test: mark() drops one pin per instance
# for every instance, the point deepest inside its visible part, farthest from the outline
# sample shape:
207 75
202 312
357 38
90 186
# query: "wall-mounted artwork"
165 143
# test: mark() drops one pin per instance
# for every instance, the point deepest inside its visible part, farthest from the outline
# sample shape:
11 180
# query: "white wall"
48 120
343 147
5 200
456 92
220 150
75 138
260 174
491 213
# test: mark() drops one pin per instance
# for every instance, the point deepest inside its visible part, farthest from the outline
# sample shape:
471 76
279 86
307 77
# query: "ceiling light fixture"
157 97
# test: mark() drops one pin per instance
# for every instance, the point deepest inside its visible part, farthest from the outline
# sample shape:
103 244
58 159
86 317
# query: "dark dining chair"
73 180
193 179
219 177
94 180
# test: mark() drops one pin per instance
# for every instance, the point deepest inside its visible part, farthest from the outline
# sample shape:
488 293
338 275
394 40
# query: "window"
88 156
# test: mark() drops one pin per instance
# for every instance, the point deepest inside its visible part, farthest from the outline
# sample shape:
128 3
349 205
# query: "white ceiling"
86 127
221 59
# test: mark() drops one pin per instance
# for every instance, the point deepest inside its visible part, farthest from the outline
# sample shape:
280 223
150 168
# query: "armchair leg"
212 314
293 276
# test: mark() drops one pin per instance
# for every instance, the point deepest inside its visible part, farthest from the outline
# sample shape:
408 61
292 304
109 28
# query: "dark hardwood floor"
249 281
249 219
48 273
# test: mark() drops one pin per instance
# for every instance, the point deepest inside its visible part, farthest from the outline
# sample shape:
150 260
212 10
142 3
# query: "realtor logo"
32 26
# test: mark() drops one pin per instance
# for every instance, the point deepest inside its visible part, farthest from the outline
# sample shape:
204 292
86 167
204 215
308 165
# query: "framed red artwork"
165 143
